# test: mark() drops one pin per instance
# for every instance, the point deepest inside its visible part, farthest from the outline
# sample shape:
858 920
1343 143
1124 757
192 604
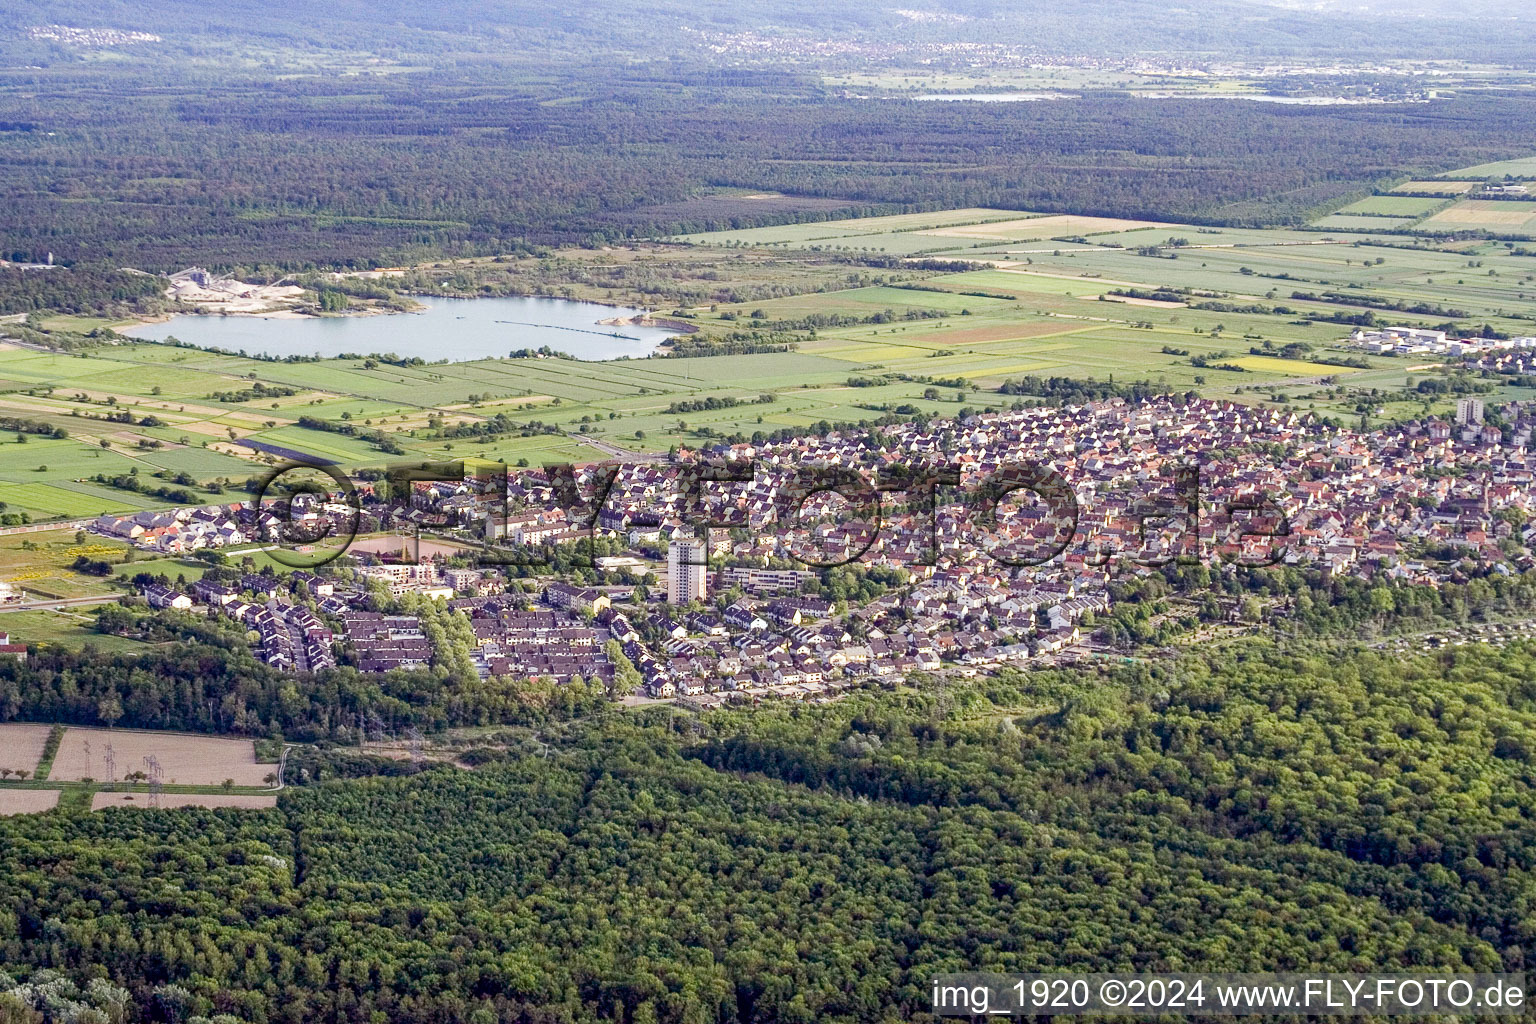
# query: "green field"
955 232
1394 206
39 563
830 230
1499 217
1524 167
62 501
1361 222
67 628
1440 188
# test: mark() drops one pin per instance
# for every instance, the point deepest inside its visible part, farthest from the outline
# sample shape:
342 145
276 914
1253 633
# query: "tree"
109 709
626 678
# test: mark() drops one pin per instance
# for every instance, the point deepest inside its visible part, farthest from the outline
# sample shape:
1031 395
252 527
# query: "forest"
390 138
1260 807
407 167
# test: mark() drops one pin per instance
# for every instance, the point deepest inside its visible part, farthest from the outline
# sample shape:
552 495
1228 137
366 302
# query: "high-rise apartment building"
687 562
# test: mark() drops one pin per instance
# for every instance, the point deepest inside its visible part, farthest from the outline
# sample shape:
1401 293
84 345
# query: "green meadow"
1394 206
1524 167
67 628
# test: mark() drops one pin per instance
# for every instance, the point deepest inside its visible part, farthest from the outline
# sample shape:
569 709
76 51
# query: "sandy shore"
646 320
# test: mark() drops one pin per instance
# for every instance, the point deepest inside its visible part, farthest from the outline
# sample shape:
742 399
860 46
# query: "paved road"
609 448
75 524
68 602
282 766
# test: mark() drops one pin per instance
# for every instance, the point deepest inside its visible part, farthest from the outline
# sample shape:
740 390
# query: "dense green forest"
1256 809
83 289
389 136
159 164
394 170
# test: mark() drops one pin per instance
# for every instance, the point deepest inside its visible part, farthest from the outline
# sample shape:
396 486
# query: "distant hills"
645 29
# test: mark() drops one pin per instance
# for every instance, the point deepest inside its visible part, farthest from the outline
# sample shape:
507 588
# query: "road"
67 602
74 524
609 448
282 766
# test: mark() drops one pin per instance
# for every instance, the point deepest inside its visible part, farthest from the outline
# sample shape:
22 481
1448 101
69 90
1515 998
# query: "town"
802 598
821 513
1406 341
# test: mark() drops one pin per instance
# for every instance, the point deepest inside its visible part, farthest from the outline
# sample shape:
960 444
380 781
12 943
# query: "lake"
995 97
456 329
1257 97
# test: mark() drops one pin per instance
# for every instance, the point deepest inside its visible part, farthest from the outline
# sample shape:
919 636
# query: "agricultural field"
1287 367
26 801
1393 206
1458 279
247 801
1051 324
926 80
189 569
1439 188
21 746
185 759
1125 303
197 771
1041 226
1501 217
1194 236
1054 313
832 230
66 502
955 234
1361 222
1524 167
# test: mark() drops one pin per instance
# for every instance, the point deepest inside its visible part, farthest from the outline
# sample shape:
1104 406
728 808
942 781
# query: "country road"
67 602
73 524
